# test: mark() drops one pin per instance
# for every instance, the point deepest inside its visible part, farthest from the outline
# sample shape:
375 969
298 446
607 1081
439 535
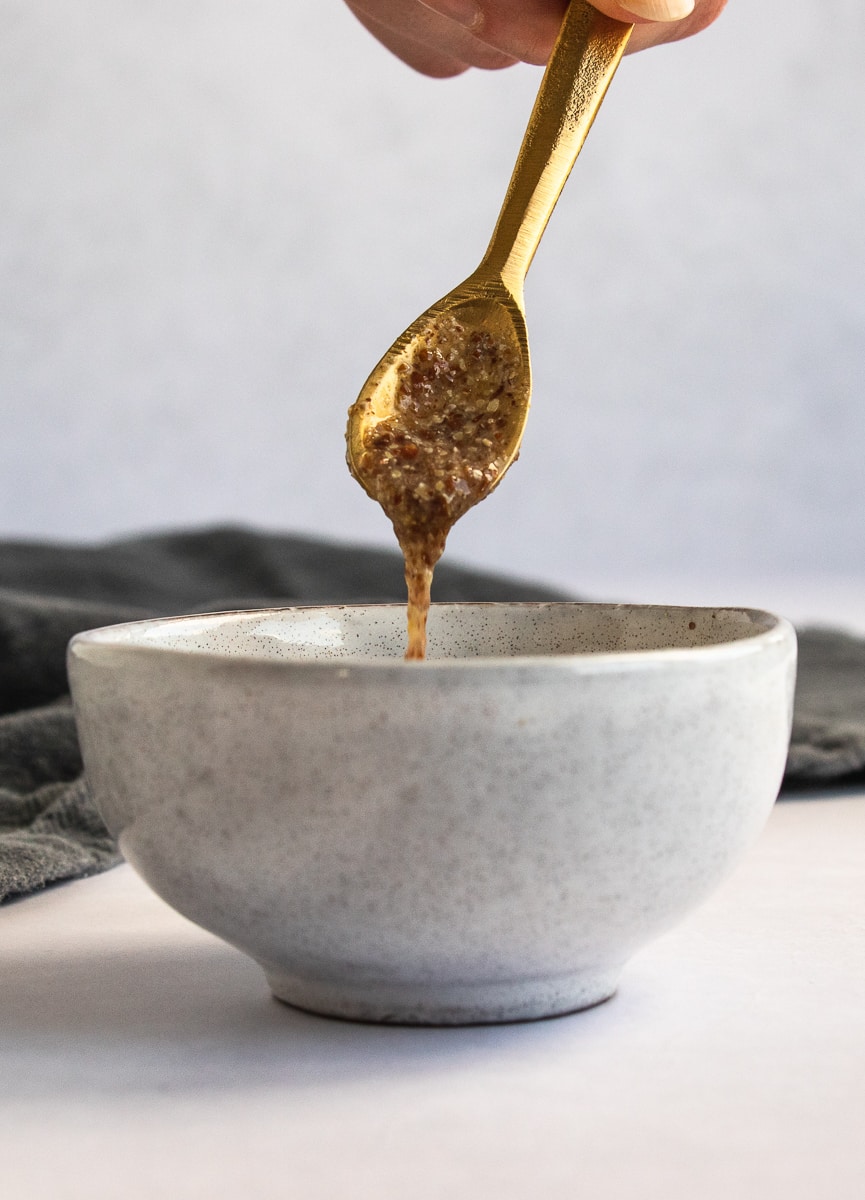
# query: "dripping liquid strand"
418 578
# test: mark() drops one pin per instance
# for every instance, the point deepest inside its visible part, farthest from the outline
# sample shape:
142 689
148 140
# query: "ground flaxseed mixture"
442 449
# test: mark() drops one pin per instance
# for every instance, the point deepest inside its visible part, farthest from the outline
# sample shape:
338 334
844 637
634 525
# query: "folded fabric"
49 828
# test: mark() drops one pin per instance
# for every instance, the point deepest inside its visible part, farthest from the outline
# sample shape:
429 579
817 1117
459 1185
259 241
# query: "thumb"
661 20
646 10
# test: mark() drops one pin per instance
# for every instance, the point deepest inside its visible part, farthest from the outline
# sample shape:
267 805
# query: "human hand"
446 37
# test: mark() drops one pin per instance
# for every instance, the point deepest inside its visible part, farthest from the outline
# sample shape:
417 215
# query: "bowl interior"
456 631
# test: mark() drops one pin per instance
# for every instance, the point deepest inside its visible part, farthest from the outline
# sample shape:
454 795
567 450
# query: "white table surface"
141 1057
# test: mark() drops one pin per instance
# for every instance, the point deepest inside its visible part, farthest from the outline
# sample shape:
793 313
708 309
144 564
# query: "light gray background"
216 215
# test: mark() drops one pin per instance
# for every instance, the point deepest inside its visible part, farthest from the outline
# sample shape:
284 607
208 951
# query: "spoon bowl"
477 306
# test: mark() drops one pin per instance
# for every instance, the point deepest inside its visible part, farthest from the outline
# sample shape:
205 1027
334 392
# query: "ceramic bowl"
485 836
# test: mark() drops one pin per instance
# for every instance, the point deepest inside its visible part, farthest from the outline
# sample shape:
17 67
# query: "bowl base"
446 1003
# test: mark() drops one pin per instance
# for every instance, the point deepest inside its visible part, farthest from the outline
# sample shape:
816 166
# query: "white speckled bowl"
487 836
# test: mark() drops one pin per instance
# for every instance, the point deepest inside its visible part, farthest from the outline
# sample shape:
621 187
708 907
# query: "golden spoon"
441 417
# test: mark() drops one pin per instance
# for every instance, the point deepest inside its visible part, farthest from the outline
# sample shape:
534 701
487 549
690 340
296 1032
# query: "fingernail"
660 10
464 12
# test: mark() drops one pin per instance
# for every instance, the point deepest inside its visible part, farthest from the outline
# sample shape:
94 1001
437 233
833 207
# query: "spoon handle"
584 60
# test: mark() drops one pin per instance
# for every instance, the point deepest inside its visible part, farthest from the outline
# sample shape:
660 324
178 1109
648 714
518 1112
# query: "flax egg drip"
442 448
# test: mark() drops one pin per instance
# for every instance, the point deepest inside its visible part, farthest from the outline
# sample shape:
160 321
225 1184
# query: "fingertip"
659 10
498 65
445 68
705 13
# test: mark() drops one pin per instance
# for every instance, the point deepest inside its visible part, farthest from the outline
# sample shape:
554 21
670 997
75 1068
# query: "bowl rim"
769 629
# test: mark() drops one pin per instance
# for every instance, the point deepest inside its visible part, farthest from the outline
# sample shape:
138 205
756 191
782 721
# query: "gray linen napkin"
828 740
49 828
